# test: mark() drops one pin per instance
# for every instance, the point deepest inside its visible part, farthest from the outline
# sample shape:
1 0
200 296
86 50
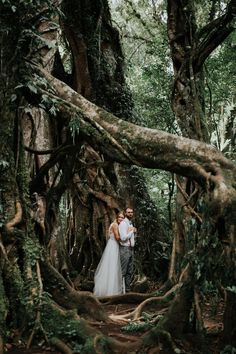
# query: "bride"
108 276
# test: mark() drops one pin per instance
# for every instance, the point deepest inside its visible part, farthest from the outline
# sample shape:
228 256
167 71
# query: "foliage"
162 190
228 349
24 7
16 294
139 326
221 96
148 67
232 289
74 127
4 164
149 75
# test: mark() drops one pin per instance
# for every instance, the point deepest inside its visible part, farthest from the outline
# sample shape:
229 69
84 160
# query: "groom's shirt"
126 238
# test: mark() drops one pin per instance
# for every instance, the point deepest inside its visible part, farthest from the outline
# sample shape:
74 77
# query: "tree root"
125 311
37 324
158 336
122 344
59 344
101 342
123 337
123 298
3 251
136 313
116 346
63 294
16 220
121 319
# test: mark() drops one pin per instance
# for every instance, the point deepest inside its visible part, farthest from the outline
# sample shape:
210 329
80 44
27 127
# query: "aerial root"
16 219
37 324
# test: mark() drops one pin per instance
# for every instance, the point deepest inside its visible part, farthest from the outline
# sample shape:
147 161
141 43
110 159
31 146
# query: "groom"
127 232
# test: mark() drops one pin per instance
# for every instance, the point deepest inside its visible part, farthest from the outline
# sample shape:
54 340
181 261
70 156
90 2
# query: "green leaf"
32 88
232 289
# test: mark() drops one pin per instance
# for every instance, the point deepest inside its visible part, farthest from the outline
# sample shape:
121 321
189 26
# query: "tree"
191 45
36 89
192 39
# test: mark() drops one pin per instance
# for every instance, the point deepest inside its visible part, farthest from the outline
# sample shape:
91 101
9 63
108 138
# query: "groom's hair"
128 207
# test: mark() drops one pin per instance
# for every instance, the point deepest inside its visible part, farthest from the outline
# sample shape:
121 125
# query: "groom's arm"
123 230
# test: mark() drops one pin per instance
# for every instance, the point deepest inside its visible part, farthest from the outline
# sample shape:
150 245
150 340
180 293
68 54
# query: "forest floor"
190 344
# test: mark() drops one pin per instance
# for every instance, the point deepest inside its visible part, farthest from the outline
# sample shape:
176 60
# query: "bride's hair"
118 214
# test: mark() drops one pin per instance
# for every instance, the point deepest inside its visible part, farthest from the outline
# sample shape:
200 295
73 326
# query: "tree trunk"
229 332
98 75
190 47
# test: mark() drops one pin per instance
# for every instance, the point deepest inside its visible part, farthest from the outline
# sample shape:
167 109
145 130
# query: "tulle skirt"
108 276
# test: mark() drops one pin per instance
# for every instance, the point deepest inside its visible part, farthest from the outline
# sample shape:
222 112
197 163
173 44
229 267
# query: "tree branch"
129 143
214 33
39 152
57 155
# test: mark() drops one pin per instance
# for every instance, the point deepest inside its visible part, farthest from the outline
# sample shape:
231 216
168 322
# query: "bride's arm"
116 231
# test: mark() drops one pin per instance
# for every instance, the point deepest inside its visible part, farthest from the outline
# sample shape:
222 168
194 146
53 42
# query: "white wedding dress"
108 276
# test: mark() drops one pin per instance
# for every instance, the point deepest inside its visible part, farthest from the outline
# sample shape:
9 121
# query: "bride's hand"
132 229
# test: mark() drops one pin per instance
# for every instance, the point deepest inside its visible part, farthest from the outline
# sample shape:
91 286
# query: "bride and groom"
114 271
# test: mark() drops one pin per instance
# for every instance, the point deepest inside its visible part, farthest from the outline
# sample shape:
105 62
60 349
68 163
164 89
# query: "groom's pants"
126 260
